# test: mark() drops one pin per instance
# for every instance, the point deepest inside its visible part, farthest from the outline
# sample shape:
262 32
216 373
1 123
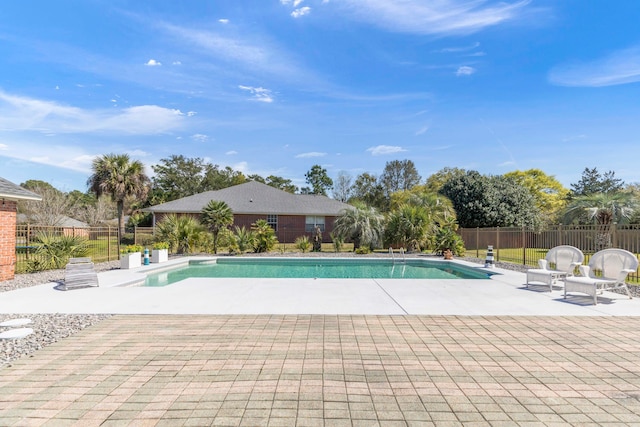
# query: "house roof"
255 198
11 191
63 221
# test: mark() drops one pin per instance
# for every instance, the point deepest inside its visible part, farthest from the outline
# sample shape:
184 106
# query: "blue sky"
273 87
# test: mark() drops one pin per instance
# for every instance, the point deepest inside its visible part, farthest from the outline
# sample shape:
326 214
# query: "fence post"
497 244
614 235
27 243
108 243
135 236
524 247
477 242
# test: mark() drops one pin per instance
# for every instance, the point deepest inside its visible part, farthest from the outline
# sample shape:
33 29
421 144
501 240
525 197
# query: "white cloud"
310 154
381 150
301 12
176 63
28 114
619 67
465 70
199 137
191 113
422 130
434 17
153 63
459 48
4 147
231 153
259 93
223 21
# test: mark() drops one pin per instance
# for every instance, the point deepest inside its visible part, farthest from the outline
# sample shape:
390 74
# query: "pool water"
324 268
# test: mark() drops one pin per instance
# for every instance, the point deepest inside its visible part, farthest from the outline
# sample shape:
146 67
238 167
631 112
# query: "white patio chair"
79 273
608 269
559 263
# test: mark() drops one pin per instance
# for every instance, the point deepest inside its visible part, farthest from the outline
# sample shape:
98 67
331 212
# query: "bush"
447 238
131 249
160 245
337 241
53 251
265 237
363 250
242 240
303 243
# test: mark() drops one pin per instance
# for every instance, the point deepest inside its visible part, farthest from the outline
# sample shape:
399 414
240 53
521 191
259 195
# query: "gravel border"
50 328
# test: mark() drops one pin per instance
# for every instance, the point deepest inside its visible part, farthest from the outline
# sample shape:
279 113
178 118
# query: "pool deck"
328 353
503 294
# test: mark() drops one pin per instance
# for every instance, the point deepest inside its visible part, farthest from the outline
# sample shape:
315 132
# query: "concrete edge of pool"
502 294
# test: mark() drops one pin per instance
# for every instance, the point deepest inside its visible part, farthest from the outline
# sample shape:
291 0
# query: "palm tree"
183 233
217 215
408 226
119 177
363 225
604 209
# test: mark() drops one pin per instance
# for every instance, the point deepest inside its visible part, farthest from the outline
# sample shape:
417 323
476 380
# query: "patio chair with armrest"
607 270
559 263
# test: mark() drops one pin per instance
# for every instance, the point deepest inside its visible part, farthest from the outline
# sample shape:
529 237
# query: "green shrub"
242 240
265 236
363 250
130 249
53 251
303 243
447 238
337 241
160 245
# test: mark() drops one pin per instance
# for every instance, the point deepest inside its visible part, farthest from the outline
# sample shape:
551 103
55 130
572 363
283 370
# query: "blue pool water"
322 268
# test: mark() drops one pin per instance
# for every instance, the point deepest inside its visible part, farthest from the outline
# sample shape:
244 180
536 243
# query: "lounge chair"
559 263
79 274
607 270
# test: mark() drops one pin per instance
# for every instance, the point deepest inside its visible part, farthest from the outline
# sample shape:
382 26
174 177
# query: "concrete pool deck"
503 294
469 353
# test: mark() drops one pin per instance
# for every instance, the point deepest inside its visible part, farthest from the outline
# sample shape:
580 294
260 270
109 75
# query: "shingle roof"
11 191
256 198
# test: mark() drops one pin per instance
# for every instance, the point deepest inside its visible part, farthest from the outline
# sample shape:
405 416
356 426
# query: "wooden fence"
526 246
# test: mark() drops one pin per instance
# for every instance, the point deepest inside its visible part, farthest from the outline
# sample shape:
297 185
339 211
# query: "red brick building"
290 215
10 193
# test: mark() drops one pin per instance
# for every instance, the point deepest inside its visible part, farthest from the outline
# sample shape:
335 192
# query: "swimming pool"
321 268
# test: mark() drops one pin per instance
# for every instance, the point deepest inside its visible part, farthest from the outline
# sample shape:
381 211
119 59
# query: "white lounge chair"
559 263
608 269
79 273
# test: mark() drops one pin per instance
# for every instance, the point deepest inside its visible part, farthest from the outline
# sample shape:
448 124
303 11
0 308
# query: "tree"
362 225
98 212
51 210
398 176
177 177
264 236
342 188
368 190
183 233
281 184
119 177
318 179
549 194
604 209
593 182
491 201
408 227
217 179
435 182
217 215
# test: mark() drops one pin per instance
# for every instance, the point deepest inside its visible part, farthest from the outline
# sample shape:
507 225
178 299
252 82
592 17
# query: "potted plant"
160 252
131 257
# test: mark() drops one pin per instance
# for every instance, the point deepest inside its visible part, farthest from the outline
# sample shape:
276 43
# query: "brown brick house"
291 215
10 193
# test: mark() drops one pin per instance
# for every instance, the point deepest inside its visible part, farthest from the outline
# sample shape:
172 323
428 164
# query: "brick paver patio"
332 371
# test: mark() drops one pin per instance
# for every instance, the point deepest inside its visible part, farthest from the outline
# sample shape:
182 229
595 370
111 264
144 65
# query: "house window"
312 221
272 220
